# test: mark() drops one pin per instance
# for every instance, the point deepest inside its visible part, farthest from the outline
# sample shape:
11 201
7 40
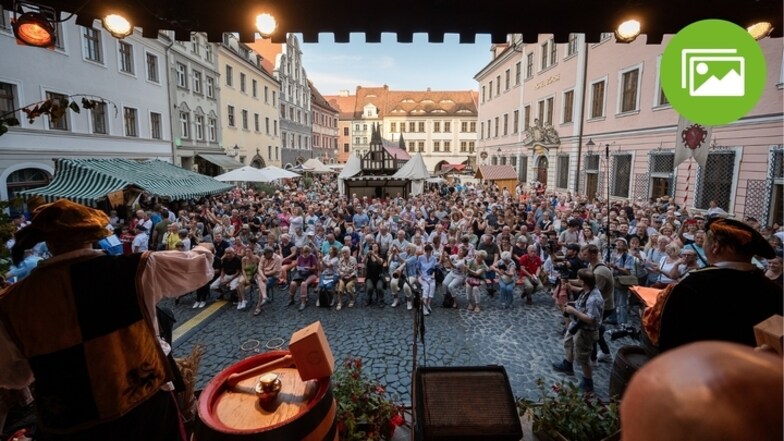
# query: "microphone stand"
419 331
607 156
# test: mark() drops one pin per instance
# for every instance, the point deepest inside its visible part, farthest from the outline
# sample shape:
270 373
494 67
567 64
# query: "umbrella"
244 174
273 173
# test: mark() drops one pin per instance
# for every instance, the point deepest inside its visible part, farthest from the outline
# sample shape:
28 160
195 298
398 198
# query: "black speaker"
465 404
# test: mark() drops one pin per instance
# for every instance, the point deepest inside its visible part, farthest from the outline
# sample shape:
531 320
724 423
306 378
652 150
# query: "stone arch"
21 166
258 162
439 165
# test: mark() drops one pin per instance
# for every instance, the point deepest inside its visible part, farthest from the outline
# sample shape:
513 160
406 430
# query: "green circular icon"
713 72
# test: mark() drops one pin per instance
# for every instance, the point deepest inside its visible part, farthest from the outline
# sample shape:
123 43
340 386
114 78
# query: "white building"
127 78
248 96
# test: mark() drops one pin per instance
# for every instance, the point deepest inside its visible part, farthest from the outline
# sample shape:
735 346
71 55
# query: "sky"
333 67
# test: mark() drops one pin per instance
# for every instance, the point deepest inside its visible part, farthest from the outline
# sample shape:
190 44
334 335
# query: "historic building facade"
194 91
250 125
441 125
325 127
581 101
127 81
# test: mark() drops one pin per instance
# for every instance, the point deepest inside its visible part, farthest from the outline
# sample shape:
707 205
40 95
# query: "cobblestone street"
525 340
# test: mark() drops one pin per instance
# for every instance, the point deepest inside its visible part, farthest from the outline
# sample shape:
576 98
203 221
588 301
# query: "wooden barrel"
303 410
628 361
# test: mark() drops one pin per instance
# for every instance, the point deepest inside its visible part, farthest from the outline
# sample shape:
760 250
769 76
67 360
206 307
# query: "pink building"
609 94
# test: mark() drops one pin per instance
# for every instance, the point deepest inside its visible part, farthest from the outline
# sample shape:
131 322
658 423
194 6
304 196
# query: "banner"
692 140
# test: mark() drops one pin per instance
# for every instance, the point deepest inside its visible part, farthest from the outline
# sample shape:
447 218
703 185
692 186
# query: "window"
518 72
621 175
506 124
436 146
92 45
210 87
715 180
277 153
421 146
98 114
568 106
421 127
411 127
155 126
256 125
242 82
496 126
481 130
411 146
498 85
553 52
197 82
529 65
229 74
392 127
208 52
597 99
447 146
357 140
503 160
126 57
489 128
660 168
267 125
464 126
230 114
516 121
490 88
447 126
181 73
212 127
471 146
199 125
345 131
131 122
7 98
526 117
185 125
61 100
472 127
436 126
255 88
152 67
563 171
345 148
663 101
195 44
507 78
494 161
244 119
275 128
548 119
463 146
571 49
545 55
274 98
483 94
629 92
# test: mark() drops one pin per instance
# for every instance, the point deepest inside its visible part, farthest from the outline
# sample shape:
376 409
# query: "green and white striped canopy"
89 181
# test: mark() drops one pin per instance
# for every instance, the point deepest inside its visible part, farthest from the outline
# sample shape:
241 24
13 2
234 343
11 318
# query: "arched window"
25 179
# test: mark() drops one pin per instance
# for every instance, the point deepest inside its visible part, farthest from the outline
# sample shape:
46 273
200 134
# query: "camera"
578 324
625 331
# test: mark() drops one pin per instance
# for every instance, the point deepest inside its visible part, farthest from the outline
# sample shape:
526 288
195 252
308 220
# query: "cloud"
334 58
386 62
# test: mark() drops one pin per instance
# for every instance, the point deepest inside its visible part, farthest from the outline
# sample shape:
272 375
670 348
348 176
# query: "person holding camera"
583 331
506 269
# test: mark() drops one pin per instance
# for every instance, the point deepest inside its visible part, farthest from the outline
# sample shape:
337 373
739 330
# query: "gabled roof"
343 104
319 100
496 172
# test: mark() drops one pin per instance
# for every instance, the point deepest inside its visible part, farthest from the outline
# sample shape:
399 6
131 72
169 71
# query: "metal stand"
419 332
607 228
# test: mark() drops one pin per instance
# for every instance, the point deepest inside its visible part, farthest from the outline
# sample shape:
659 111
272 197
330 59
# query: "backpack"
449 300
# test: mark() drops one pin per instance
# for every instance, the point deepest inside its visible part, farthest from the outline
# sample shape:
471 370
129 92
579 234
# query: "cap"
621 239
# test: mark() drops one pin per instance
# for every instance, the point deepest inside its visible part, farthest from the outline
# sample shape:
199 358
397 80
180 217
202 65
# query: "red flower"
358 363
398 420
379 389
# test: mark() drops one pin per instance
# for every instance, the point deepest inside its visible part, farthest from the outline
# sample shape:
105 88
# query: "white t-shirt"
140 242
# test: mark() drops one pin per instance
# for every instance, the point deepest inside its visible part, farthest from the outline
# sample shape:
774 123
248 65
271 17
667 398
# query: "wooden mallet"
310 354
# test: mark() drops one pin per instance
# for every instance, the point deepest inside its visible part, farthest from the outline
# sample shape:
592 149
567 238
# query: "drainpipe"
172 97
584 60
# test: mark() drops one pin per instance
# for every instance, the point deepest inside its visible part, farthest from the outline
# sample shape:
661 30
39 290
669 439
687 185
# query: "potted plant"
364 411
570 415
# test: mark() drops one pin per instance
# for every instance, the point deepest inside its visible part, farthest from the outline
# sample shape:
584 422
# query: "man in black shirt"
229 275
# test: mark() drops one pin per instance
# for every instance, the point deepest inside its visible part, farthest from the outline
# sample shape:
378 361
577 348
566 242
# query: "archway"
541 170
258 162
439 165
288 166
25 179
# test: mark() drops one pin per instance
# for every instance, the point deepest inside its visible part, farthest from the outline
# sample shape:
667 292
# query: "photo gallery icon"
713 72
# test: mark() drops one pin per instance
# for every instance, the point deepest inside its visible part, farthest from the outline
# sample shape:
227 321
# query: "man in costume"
722 301
95 355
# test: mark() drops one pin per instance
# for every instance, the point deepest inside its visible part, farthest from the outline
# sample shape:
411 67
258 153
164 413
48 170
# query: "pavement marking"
196 320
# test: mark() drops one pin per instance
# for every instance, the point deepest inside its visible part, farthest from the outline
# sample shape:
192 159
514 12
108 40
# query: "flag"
692 140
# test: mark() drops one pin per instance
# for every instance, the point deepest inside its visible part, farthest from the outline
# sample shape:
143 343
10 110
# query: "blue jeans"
507 291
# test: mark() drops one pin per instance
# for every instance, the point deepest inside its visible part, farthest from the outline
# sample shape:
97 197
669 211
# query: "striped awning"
222 161
89 181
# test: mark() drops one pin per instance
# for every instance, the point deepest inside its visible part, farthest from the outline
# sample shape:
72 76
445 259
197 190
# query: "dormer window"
370 111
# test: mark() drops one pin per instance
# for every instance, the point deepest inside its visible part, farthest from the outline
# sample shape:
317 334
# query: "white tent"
244 174
415 171
273 173
313 165
352 168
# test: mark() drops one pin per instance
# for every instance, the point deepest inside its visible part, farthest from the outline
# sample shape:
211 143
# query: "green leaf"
75 107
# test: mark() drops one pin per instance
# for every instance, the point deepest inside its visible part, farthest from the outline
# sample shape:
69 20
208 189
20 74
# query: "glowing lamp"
117 25
266 24
627 31
33 29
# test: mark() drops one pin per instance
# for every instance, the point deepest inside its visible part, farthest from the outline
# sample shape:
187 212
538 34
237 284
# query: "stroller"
326 290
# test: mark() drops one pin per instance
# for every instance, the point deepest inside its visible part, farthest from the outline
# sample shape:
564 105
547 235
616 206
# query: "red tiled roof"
397 152
496 172
344 105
